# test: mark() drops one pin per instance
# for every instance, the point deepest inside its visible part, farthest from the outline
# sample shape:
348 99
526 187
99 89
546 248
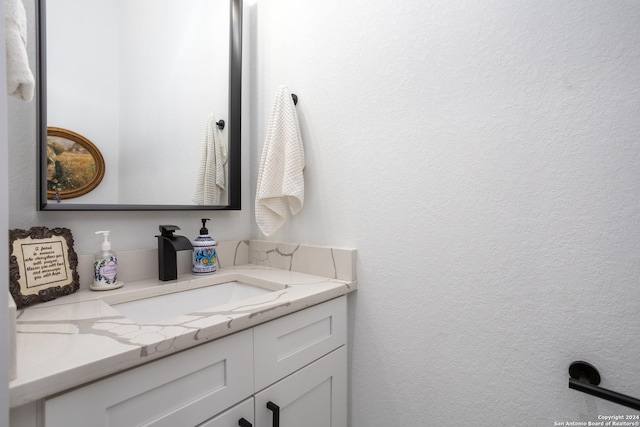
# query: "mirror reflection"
148 83
74 165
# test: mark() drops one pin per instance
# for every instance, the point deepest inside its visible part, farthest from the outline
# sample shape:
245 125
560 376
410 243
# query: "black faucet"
168 247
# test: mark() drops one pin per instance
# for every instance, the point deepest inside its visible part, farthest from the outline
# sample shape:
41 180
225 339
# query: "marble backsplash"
142 264
336 263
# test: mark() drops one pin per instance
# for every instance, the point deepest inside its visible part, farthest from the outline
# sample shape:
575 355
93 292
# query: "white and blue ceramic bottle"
205 258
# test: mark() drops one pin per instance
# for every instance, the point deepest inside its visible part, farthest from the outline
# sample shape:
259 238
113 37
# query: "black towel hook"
220 124
295 98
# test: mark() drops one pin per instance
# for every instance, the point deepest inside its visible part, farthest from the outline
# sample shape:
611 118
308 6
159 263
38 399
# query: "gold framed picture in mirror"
75 166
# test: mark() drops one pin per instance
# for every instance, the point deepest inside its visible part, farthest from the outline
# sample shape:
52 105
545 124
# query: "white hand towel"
280 177
20 81
211 176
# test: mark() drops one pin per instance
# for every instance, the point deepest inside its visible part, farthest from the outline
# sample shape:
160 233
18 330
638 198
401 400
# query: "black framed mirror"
156 85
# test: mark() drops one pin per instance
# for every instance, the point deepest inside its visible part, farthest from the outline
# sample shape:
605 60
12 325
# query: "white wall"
130 230
483 159
4 237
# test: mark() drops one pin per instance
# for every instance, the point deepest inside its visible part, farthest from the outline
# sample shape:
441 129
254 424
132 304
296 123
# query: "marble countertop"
80 338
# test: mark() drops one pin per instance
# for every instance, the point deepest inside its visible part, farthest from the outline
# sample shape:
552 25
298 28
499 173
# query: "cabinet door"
183 390
289 343
315 396
232 416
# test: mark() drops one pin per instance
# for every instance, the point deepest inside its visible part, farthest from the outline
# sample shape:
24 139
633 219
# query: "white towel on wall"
280 176
20 81
211 175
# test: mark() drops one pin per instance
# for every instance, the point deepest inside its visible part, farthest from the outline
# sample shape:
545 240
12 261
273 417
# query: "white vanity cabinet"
296 363
240 415
315 396
301 368
185 389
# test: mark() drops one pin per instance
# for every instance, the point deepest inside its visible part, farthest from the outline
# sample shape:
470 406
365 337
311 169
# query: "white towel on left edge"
211 176
20 81
280 177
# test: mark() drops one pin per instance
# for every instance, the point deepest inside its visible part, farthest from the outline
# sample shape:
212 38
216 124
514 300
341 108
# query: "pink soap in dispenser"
205 258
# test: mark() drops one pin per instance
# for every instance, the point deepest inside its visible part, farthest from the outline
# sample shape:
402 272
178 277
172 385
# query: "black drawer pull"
244 423
276 413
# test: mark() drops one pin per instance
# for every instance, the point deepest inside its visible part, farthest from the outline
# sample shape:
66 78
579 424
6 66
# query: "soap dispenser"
105 267
205 258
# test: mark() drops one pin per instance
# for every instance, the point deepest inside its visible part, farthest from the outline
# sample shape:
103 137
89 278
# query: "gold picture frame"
75 166
42 265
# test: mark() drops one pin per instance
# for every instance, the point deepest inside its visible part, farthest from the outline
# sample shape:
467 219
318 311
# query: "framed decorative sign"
42 265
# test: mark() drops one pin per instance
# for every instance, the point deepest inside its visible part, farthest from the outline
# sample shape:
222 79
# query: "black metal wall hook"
220 123
585 378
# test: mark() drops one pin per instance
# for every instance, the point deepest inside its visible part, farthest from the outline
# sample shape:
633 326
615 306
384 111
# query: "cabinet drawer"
231 417
184 389
289 343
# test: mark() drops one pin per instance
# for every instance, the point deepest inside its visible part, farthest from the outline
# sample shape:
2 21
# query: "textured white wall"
483 157
129 230
4 240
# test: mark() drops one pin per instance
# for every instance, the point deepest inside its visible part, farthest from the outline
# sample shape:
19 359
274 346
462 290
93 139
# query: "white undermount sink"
154 309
